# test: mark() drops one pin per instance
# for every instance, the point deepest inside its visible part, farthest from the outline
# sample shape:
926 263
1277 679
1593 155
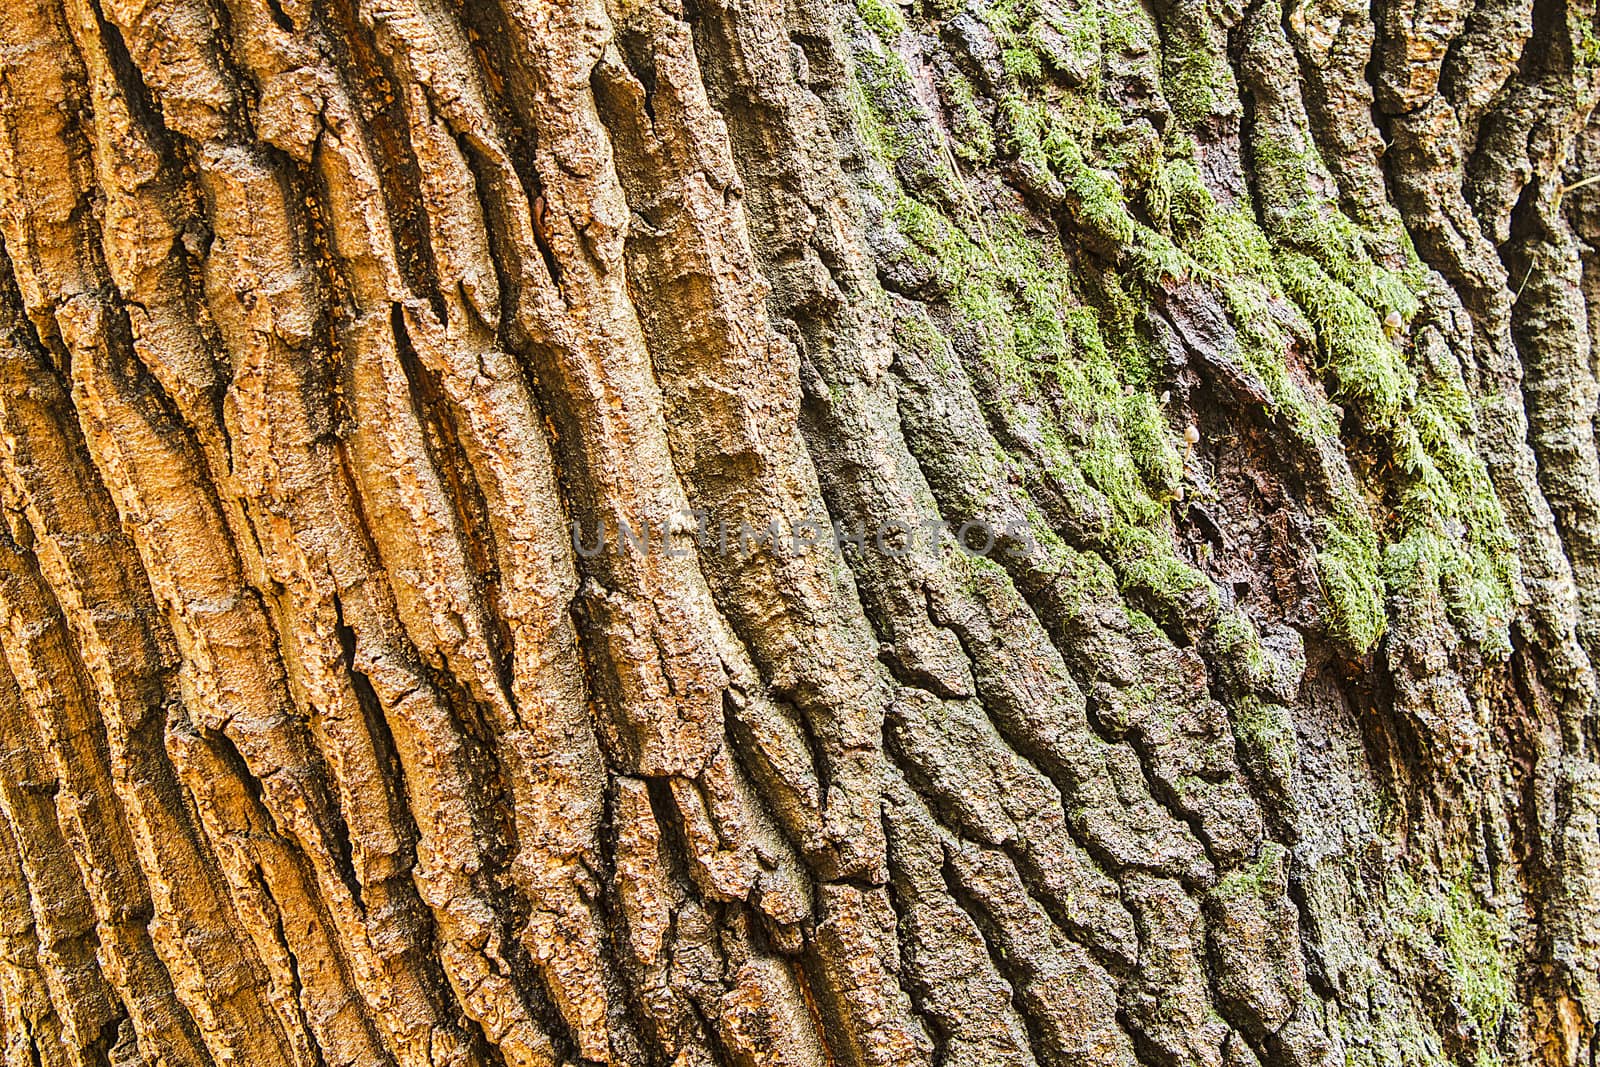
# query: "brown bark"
1257 338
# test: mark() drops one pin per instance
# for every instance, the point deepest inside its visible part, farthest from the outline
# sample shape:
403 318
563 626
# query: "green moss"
1267 743
1127 28
1363 363
1068 349
1095 197
883 17
1150 443
1586 48
1473 585
1237 257
1474 943
1069 389
1196 81
1349 566
1255 879
1019 25
980 576
1472 939
972 129
1148 569
1238 642
1446 526
865 97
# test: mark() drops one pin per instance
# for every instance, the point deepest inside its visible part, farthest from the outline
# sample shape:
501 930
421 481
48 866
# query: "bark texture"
323 743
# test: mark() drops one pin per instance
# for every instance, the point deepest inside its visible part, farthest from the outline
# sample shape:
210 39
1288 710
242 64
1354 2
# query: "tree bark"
472 583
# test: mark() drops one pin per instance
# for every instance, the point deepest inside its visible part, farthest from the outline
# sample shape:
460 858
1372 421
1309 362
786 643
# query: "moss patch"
1069 348
1449 923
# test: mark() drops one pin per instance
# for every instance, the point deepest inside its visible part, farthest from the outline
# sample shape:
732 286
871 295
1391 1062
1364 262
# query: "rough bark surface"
324 742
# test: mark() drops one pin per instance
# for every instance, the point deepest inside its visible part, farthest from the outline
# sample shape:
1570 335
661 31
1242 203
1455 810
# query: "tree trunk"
473 590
